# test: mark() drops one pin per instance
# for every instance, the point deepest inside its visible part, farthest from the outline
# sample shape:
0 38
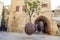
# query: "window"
24 7
44 5
17 8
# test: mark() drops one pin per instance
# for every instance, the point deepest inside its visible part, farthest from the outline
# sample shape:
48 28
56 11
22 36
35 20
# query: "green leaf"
34 3
29 3
39 8
38 1
30 8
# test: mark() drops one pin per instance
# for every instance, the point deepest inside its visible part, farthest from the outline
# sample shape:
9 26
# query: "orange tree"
31 7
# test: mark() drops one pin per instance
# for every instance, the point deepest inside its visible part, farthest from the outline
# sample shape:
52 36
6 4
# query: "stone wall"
17 20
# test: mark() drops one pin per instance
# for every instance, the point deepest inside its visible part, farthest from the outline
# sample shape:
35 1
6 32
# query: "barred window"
17 8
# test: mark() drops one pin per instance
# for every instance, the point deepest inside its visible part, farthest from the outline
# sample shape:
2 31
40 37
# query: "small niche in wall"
14 17
44 5
37 13
33 15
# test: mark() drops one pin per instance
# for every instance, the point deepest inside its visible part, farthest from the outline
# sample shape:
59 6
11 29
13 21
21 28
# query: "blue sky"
54 3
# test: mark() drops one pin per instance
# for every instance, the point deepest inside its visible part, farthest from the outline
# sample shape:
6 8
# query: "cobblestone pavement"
23 36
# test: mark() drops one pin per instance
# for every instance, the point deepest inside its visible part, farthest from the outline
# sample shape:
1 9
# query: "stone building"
18 18
57 12
6 15
2 17
57 15
1 11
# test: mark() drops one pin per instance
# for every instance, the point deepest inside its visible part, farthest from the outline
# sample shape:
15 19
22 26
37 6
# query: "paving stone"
23 36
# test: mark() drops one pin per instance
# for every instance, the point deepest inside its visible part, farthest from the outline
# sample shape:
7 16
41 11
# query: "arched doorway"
46 24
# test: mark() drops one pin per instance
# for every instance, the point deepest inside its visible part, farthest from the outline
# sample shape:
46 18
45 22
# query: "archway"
46 24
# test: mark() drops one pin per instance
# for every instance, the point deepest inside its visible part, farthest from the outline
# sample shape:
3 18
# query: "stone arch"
46 23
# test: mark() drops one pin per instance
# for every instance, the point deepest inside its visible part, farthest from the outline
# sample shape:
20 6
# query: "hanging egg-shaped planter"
29 28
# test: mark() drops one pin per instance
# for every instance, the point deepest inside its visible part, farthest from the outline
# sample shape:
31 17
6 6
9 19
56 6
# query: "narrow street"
23 36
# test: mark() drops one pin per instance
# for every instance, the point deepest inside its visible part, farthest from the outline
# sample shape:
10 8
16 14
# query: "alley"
23 36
